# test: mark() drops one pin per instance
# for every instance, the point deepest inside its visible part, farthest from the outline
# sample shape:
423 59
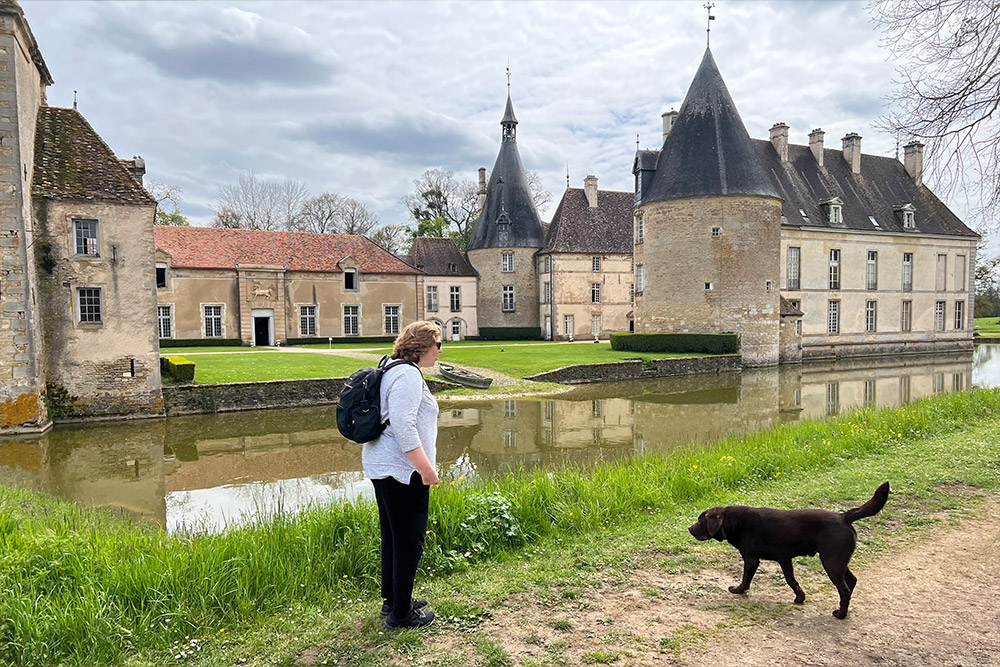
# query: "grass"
81 587
989 327
214 368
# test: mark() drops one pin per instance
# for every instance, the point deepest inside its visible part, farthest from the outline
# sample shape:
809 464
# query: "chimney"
852 151
590 189
779 139
481 195
816 145
668 122
913 160
136 166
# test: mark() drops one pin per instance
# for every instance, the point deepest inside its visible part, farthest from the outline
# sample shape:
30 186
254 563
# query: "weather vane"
708 30
508 78
637 142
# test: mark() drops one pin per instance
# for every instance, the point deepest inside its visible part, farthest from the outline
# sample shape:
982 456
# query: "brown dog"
781 535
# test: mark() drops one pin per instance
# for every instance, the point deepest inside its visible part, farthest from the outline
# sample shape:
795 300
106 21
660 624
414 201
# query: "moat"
206 472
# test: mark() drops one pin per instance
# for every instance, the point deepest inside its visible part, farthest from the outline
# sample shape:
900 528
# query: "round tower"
709 258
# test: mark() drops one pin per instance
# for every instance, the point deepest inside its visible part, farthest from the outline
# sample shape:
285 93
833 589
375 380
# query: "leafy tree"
168 197
259 203
948 87
175 218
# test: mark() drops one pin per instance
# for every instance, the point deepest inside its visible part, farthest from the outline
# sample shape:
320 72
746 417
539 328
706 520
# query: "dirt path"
936 602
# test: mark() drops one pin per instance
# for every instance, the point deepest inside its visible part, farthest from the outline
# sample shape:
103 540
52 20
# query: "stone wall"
885 348
634 369
487 263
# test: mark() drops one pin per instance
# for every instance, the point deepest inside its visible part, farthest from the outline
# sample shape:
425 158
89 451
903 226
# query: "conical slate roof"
708 151
508 218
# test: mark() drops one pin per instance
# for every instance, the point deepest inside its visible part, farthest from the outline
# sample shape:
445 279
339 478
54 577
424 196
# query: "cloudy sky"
360 98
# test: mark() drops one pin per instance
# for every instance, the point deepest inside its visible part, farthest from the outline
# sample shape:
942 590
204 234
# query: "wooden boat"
464 376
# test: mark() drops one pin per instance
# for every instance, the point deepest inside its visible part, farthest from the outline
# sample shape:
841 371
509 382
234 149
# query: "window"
165 321
391 320
835 268
432 298
510 439
546 292
871 316
767 285
708 286
832 398
941 282
909 221
507 262
833 317
455 295
907 271
351 327
213 321
597 408
595 263
452 267
716 232
631 293
640 278
547 264
307 321
350 279
595 292
568 325
906 317
640 227
869 392
871 274
161 274
904 389
959 315
507 304
510 409
798 326
960 273
939 316
85 237
836 217
793 260
595 326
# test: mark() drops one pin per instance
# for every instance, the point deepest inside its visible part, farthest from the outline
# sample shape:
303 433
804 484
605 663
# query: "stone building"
266 287
585 266
76 287
504 241
449 286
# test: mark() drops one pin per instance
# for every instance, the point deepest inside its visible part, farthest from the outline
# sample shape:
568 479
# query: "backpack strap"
392 364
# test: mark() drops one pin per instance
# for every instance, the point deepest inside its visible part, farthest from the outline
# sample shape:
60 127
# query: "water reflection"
207 472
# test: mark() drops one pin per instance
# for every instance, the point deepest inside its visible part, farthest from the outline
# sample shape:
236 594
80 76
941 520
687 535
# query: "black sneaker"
387 608
415 619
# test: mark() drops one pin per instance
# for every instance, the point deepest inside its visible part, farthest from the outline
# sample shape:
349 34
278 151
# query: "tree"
441 194
539 195
986 267
394 238
321 214
356 218
259 203
948 87
168 197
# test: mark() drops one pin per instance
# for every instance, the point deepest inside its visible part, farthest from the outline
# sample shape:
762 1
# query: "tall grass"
80 586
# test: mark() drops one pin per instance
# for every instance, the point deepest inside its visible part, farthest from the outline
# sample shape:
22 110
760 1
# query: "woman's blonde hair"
415 339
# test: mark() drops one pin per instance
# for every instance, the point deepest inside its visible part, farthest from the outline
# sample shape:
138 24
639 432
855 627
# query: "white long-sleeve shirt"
412 412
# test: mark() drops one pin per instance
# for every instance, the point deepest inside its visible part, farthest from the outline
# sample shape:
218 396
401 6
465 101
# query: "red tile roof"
221 248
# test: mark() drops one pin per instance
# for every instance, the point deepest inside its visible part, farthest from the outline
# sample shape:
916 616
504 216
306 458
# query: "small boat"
464 376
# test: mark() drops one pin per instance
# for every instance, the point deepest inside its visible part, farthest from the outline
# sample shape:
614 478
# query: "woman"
400 464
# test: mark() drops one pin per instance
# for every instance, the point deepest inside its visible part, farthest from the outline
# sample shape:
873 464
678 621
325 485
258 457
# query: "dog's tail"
871 508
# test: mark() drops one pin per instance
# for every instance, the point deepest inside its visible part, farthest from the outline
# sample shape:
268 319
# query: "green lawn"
988 326
207 349
214 368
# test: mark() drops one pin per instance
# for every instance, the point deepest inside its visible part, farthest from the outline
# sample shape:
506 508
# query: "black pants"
402 517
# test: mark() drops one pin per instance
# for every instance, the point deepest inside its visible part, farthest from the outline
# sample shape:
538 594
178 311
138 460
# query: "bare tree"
259 203
394 238
321 214
356 218
168 200
441 194
948 87
539 195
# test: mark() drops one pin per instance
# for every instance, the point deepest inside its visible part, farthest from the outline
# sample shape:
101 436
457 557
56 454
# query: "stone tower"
504 241
708 259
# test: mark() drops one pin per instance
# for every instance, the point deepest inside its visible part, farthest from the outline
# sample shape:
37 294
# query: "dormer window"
833 208
906 215
350 279
452 267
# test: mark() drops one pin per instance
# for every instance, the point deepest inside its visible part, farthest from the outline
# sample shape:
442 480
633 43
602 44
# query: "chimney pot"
816 145
913 160
852 151
590 189
669 117
779 139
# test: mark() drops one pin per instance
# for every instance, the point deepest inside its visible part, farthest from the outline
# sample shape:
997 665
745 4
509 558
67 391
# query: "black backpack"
359 410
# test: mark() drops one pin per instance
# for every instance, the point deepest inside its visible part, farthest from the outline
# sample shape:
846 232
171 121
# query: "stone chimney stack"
913 160
590 189
852 151
816 145
779 139
481 195
668 122
136 166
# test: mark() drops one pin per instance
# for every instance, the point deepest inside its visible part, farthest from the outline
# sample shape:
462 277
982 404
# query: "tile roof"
220 248
73 163
434 257
882 185
576 227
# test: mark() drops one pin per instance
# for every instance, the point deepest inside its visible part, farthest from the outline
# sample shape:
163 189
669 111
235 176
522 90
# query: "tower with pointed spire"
504 241
709 259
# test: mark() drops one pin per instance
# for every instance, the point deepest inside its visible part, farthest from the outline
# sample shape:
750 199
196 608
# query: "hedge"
340 339
178 367
200 342
676 342
510 333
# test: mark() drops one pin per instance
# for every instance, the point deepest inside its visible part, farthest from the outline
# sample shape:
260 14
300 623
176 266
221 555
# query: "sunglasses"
439 344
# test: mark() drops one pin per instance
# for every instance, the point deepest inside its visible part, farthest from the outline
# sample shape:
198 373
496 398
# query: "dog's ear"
714 519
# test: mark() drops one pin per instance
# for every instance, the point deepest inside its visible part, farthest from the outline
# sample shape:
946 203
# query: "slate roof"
434 256
576 227
882 185
73 163
708 151
220 248
508 200
787 309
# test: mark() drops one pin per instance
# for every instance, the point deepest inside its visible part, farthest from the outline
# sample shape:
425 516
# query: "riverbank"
305 585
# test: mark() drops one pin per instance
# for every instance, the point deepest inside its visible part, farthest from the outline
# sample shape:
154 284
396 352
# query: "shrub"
178 367
341 339
510 333
676 342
